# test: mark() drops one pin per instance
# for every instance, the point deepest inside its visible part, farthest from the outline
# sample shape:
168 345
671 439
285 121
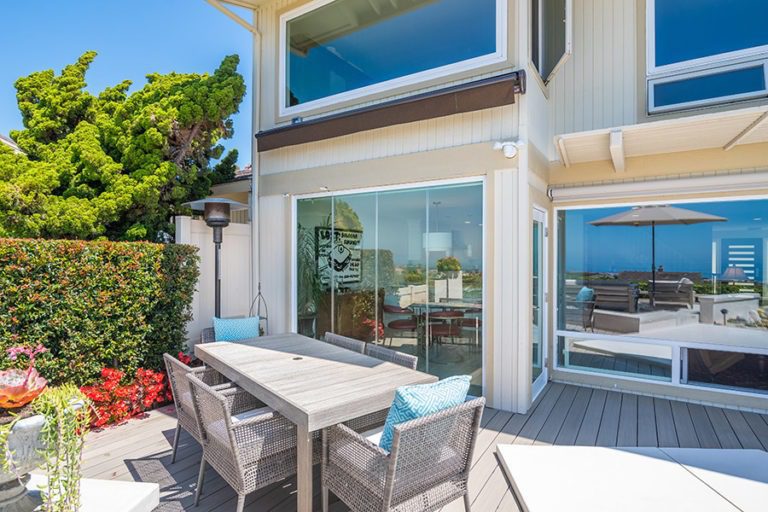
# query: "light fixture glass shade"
438 241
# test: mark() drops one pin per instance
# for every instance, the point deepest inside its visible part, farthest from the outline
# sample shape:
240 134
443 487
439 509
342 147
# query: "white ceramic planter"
25 443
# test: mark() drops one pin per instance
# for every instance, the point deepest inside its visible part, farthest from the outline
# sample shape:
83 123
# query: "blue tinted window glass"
349 44
707 87
692 29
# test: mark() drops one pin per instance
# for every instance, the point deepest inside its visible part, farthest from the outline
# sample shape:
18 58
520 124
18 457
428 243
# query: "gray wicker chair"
393 356
344 342
376 419
427 468
182 395
248 451
207 335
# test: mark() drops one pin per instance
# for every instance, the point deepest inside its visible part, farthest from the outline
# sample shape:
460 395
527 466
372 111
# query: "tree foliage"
119 164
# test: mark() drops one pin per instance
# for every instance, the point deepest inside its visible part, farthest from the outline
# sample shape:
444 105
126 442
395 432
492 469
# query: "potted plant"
449 267
39 426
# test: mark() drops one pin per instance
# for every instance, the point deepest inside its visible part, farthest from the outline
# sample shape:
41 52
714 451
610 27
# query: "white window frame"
713 64
568 41
702 62
499 56
653 109
678 347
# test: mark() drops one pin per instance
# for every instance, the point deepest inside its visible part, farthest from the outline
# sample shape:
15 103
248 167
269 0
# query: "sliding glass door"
398 267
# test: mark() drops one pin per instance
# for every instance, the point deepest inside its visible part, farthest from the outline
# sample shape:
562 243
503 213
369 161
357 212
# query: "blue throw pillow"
413 402
236 329
585 294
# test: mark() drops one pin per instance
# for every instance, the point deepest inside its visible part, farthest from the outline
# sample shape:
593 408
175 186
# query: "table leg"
304 468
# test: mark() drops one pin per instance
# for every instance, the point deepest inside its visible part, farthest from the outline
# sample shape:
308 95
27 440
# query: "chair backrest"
182 394
214 419
392 356
344 342
434 449
207 335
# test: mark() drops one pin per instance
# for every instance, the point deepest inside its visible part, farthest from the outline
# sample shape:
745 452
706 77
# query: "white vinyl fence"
235 272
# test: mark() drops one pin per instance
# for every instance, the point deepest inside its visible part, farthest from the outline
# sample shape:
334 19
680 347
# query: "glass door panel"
453 246
354 261
313 277
402 269
538 327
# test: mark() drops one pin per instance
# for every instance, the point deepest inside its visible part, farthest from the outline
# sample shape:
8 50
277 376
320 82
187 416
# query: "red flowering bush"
114 402
184 358
376 330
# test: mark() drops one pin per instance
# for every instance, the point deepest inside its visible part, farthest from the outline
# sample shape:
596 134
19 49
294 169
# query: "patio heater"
217 214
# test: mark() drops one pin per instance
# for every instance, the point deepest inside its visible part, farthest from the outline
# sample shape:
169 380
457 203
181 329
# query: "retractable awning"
480 94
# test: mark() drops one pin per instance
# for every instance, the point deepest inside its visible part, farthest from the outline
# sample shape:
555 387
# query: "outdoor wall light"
509 148
217 214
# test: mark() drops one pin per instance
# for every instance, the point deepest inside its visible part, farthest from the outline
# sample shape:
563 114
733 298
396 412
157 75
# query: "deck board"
627 435
646 422
563 414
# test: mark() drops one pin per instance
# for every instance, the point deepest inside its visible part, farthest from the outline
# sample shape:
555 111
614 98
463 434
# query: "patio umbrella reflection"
653 215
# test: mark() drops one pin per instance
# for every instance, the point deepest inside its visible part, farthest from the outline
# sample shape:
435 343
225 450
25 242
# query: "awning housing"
478 95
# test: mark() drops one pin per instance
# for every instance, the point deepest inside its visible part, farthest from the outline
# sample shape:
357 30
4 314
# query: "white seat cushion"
218 429
374 435
250 414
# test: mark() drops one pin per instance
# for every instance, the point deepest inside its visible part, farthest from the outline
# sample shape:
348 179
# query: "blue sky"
679 248
132 38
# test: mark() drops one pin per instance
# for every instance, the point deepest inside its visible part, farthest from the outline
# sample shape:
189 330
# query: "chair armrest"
239 400
209 376
344 442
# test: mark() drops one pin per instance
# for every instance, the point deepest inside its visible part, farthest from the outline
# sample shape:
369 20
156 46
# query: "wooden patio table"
313 384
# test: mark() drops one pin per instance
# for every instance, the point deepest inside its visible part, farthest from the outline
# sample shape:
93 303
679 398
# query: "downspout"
253 28
255 158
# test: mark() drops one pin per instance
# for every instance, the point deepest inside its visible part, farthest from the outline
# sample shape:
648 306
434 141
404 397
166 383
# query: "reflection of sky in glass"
679 248
692 29
402 215
434 34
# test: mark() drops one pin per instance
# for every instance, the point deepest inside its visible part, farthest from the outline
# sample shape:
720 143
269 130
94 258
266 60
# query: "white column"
512 292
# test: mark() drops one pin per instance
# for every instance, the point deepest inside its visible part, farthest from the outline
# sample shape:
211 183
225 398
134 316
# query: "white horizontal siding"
494 124
597 86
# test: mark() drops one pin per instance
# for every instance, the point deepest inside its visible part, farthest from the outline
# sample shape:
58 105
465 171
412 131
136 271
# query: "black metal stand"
217 238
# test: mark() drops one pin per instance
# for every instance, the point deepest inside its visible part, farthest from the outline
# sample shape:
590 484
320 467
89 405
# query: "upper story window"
551 35
703 52
338 50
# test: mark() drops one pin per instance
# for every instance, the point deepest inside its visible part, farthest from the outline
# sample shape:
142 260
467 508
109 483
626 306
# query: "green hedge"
95 304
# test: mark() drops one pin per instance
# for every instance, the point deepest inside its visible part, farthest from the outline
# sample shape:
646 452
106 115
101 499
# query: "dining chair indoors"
345 342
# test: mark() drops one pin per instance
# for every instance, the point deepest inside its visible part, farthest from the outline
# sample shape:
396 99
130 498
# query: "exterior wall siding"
598 85
458 130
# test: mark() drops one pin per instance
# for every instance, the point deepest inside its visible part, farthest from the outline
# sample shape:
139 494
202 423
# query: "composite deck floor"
562 415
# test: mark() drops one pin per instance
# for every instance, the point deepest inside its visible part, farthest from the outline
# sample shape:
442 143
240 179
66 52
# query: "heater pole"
217 238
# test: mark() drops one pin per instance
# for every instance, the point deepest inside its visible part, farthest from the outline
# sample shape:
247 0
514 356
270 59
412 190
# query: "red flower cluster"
114 402
371 324
184 358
